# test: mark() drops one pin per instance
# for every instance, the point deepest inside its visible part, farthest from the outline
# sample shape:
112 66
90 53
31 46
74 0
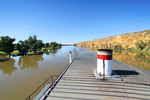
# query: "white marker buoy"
107 55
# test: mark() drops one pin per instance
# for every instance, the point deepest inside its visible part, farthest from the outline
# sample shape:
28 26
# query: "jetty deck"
79 82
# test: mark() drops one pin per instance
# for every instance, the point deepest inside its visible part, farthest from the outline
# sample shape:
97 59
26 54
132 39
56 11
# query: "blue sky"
72 21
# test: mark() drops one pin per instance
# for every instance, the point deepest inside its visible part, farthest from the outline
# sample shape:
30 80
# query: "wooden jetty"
79 82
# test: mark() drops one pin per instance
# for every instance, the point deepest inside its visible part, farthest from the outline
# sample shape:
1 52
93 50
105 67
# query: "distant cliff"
127 40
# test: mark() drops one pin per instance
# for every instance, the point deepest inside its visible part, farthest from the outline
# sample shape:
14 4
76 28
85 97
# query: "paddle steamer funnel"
107 55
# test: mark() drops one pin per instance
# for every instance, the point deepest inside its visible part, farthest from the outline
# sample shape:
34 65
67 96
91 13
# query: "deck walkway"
80 83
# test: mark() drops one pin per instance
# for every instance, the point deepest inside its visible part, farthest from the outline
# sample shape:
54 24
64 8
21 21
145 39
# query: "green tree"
39 44
110 45
47 45
6 44
54 45
33 47
93 44
29 41
34 39
22 47
34 44
59 45
127 47
140 45
117 47
106 45
147 43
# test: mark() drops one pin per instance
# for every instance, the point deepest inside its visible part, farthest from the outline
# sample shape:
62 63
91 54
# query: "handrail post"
103 69
70 57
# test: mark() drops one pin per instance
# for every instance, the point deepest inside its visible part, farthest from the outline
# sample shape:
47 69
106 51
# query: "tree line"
140 46
32 44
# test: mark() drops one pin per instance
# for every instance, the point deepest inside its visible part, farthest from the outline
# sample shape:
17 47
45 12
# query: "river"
137 60
21 75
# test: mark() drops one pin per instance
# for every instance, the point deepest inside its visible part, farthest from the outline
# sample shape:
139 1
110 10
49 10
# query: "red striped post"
107 55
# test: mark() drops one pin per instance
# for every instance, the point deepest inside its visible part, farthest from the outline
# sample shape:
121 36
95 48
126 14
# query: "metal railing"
48 91
30 97
53 83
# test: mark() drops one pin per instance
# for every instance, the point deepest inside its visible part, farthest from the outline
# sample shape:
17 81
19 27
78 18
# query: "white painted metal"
108 67
108 63
70 57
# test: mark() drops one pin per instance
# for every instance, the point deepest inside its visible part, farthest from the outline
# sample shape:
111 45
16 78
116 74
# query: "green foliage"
39 44
2 53
106 45
34 44
110 45
15 52
147 44
96 46
84 45
140 45
54 45
30 45
117 47
46 45
134 50
127 47
93 44
23 47
6 44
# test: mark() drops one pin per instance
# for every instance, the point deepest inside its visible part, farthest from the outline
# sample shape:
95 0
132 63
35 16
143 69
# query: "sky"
72 21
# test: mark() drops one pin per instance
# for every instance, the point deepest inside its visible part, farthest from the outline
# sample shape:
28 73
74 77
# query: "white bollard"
70 57
107 55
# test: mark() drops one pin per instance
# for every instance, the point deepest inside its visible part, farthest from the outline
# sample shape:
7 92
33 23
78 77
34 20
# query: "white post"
104 55
70 57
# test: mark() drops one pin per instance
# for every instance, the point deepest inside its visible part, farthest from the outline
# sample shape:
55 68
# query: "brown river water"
137 60
21 75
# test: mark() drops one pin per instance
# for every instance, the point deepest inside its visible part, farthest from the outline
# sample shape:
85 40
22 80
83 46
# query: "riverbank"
2 53
43 50
15 52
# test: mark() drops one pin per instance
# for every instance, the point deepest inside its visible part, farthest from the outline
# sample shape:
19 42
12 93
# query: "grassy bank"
2 53
15 52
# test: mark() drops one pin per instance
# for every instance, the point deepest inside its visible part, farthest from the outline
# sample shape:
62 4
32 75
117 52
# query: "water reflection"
7 65
47 53
29 72
30 61
138 60
5 59
53 51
